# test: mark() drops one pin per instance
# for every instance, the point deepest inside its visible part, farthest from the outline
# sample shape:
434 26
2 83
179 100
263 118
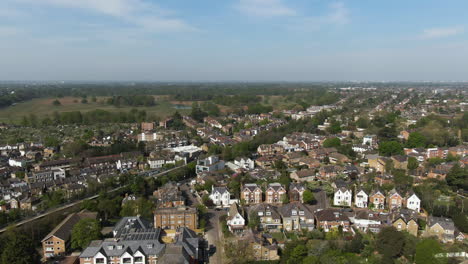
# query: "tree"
308 197
254 220
390 242
426 250
18 248
412 163
85 231
297 254
416 140
331 142
457 177
56 102
390 148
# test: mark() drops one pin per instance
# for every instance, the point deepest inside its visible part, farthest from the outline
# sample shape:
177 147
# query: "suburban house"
275 193
413 202
271 149
169 195
175 217
262 245
394 200
376 162
270 219
57 242
303 175
366 220
343 197
405 220
296 190
221 196
329 219
361 199
296 216
400 162
245 163
377 199
251 193
235 219
210 164
440 227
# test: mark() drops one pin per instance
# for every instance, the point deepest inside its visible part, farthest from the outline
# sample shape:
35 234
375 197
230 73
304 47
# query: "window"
149 246
138 259
127 260
119 247
58 242
268 213
100 261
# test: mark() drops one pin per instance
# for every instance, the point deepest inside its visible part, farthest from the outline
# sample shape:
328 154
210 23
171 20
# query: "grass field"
43 106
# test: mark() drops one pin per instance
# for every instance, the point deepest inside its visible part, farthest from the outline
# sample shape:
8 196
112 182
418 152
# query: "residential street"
214 236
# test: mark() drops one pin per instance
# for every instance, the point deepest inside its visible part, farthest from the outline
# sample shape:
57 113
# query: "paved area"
214 236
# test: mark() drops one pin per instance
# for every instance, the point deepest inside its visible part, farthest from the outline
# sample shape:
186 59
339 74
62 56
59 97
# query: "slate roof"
331 215
287 209
445 223
250 186
63 230
128 223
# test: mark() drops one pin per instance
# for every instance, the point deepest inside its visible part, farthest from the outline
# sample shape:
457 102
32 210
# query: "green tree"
331 142
85 231
390 148
297 254
308 197
412 163
254 220
426 250
56 102
18 248
416 140
390 243
457 177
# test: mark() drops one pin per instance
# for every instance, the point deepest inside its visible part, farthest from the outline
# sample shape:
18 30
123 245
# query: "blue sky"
248 40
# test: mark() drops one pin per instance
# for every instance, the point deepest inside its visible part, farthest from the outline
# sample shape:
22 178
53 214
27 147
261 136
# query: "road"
20 223
214 236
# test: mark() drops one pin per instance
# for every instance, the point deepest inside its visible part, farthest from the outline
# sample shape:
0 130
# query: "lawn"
43 106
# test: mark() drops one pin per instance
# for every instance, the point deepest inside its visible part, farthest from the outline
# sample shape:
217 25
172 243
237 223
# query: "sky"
234 40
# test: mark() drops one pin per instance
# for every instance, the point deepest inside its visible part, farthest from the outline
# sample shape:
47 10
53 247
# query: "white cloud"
442 32
338 14
264 8
136 12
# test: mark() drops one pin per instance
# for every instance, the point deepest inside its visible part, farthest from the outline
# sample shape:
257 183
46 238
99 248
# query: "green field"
43 106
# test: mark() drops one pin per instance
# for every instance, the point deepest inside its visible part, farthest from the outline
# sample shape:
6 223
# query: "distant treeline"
132 94
131 100
92 117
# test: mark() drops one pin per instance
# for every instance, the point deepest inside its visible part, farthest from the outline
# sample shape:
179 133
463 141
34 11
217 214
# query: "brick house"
274 193
377 199
251 193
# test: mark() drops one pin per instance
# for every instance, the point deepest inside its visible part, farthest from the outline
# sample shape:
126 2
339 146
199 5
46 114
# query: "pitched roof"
63 230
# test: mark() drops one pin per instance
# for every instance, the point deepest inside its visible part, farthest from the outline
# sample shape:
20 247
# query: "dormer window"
119 247
301 212
294 212
111 247
260 213
268 213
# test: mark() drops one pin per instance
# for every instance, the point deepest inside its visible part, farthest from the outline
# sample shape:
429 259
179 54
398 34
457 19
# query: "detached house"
221 196
296 216
251 193
270 218
394 200
405 220
275 193
329 219
361 199
342 197
440 227
210 164
413 202
296 190
235 220
377 199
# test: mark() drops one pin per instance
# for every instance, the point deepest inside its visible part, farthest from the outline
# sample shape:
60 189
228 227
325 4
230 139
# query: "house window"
138 259
58 242
127 260
100 261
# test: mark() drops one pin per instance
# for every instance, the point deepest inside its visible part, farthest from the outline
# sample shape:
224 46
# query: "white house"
413 203
235 220
221 196
361 199
210 164
245 163
342 197
365 220
156 163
